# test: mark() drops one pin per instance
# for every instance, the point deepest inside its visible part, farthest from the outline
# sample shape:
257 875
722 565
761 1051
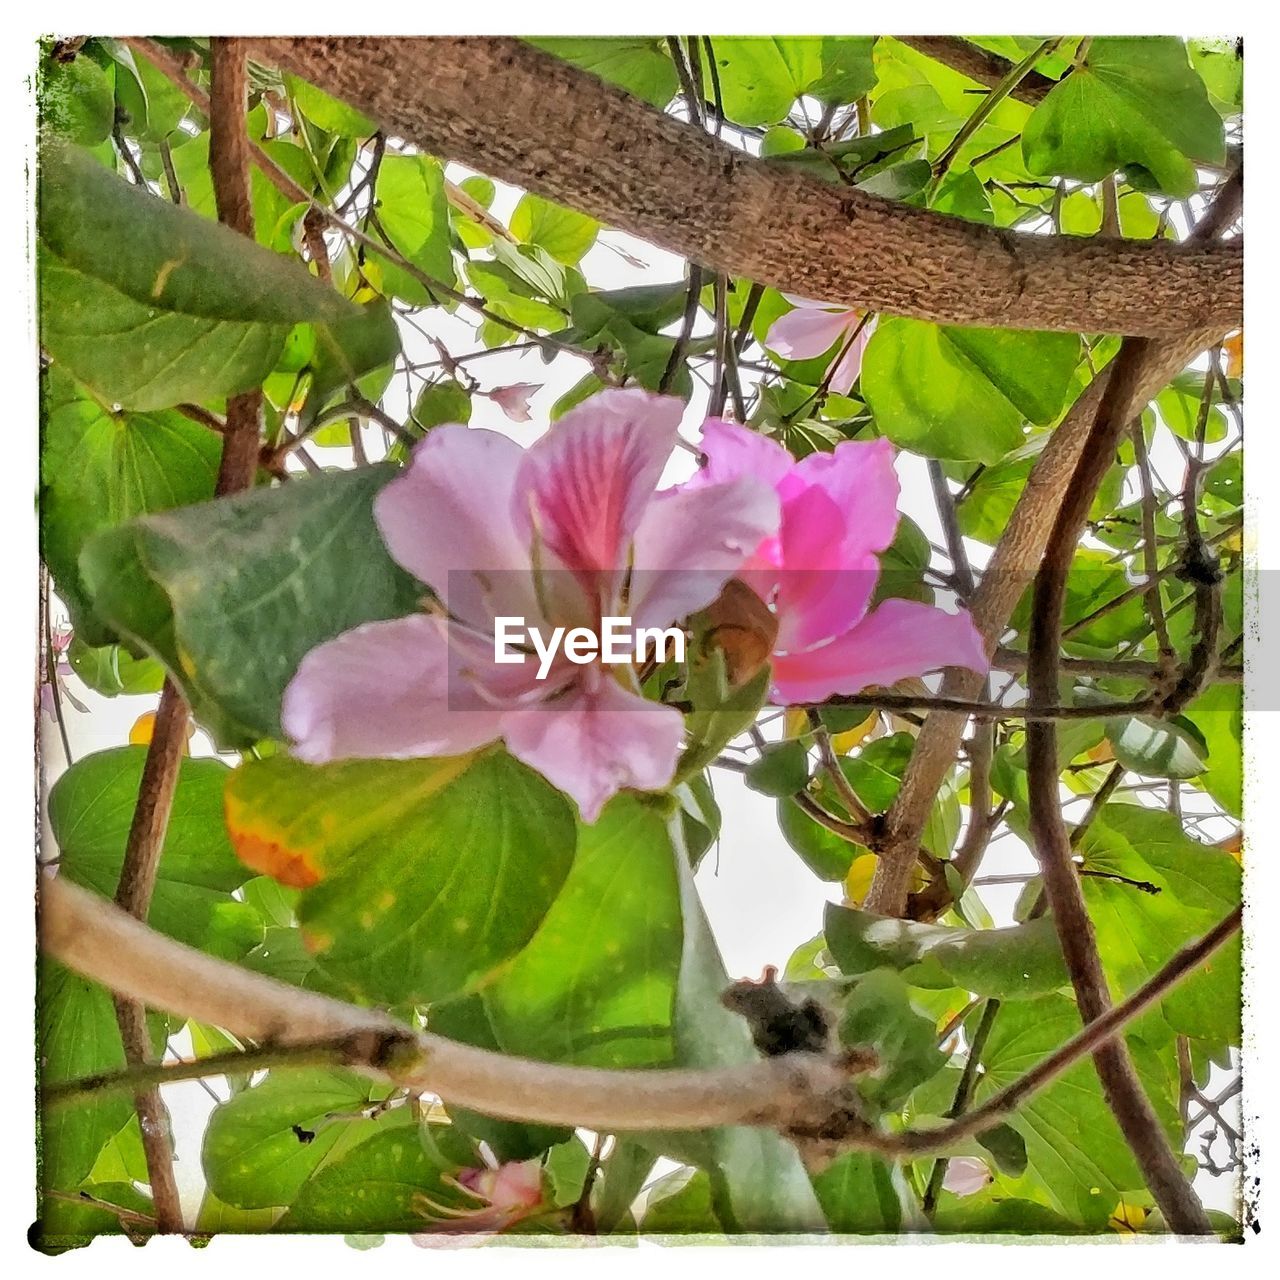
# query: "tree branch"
528 118
979 64
1009 572
802 1094
1050 840
228 156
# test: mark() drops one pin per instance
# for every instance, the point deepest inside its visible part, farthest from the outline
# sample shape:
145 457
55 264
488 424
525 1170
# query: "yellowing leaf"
843 743
1127 1218
858 882
1234 348
144 727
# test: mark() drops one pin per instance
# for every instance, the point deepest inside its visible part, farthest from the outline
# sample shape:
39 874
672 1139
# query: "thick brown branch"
802 1093
528 118
1010 571
979 64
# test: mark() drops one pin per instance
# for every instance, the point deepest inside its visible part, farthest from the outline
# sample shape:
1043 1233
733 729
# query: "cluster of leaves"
464 892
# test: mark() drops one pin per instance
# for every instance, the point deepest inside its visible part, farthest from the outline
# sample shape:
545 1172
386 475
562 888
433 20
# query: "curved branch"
1009 573
802 1094
528 118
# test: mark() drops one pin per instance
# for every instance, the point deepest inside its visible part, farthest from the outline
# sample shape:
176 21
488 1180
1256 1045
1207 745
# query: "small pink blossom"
514 400
60 669
814 328
563 533
819 572
503 1195
966 1175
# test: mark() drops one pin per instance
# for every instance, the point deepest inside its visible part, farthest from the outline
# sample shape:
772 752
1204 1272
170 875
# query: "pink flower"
563 533
813 328
514 400
819 572
966 1175
504 1195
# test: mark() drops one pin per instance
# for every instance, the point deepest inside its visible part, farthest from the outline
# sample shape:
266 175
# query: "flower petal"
690 542
392 690
839 511
807 332
849 363
597 739
585 484
899 638
732 451
446 520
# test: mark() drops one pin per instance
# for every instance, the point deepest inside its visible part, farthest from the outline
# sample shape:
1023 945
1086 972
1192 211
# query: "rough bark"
528 118
979 64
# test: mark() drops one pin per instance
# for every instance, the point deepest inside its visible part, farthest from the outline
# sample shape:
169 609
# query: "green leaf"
761 76
1134 105
759 1183
1012 963
440 402
596 983
112 670
90 811
638 64
414 216
378 1186
781 769
76 99
1169 748
1217 713
1076 1155
564 233
858 1195
330 114
1220 65
682 1204
951 392
419 876
264 1144
230 596
181 309
100 468
77 1036
347 351
1138 932
878 1011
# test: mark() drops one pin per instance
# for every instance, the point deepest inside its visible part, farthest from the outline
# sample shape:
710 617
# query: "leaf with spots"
420 877
385 1183
151 305
232 595
264 1144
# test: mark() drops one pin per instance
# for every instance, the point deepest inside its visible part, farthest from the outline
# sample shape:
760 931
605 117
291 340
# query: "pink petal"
849 363
691 541
839 510
447 520
900 638
806 332
514 400
393 690
596 739
732 451
966 1175
584 486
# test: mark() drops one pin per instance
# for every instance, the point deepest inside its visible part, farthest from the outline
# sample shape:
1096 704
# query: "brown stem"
1008 574
551 128
802 1093
1051 842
